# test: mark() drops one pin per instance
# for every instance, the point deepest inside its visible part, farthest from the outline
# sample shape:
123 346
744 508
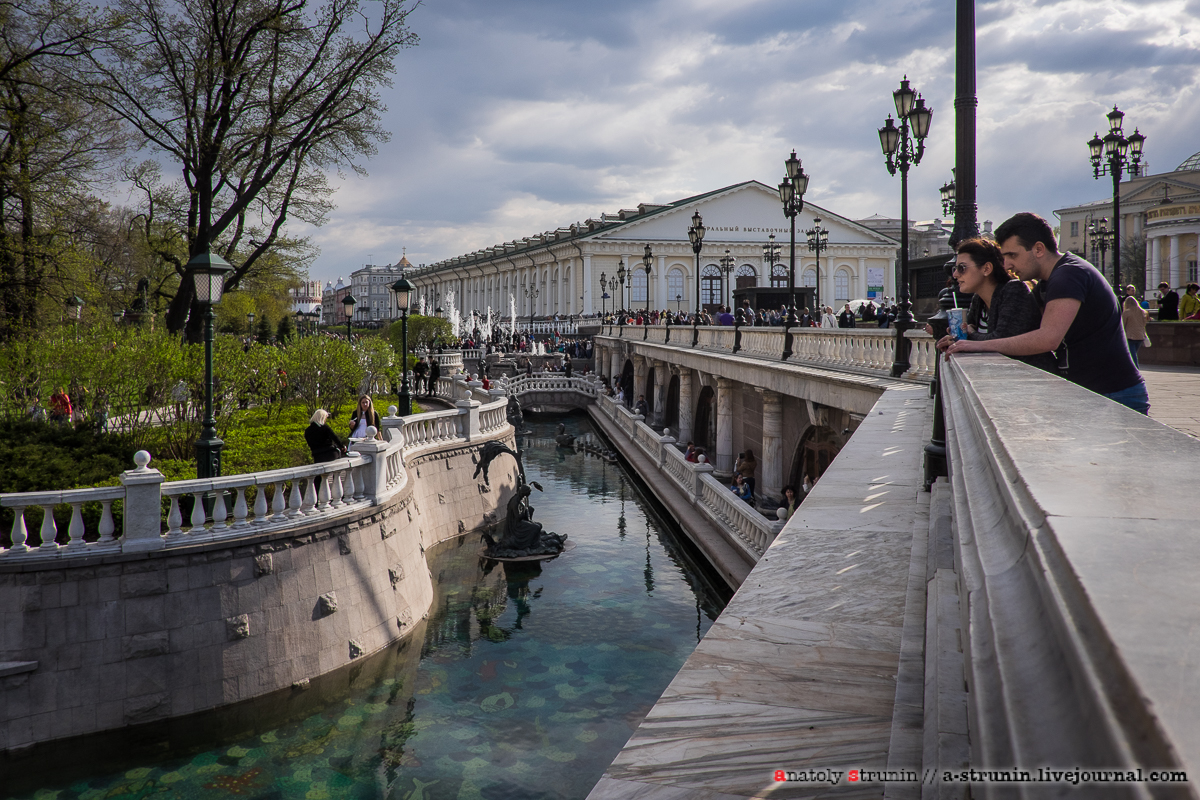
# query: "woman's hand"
965 346
971 329
929 329
945 342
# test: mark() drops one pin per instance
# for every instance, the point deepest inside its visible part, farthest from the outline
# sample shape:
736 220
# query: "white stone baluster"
240 512
348 488
107 526
310 496
278 503
19 534
174 519
260 503
75 529
197 512
323 493
220 514
335 488
49 530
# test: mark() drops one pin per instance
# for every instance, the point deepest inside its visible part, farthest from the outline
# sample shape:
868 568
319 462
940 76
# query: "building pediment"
746 212
1163 187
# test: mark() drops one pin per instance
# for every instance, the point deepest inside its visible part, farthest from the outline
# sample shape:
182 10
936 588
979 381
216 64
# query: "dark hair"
1029 230
983 251
1191 286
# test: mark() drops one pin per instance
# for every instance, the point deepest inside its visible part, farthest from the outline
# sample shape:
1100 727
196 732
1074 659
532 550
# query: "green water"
524 683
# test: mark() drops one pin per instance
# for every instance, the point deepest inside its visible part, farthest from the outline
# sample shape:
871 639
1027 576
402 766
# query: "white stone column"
662 374
661 300
586 278
640 372
860 282
771 488
615 371
1154 278
1175 265
686 409
724 463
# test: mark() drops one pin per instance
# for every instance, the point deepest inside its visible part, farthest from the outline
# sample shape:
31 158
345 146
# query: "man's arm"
1056 320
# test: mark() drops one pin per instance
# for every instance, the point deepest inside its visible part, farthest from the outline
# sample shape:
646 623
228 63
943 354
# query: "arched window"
841 286
810 277
747 277
637 287
675 287
779 277
710 285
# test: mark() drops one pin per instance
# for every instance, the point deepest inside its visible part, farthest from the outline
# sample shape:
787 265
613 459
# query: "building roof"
1191 163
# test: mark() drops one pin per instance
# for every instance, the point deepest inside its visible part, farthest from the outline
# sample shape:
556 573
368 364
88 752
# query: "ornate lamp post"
208 276
1113 155
532 292
621 279
818 242
727 262
903 148
771 256
948 191
678 301
791 192
348 304
647 263
1100 236
696 236
404 290
603 295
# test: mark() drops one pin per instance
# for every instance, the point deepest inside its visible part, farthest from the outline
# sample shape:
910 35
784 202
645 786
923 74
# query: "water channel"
525 681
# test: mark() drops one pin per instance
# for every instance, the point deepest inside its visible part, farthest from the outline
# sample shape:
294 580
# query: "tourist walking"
420 370
1133 321
828 320
435 372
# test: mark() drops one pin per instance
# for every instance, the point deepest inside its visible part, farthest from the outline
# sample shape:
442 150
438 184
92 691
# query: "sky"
512 117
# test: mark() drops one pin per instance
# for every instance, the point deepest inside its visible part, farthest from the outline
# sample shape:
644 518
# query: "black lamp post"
791 193
348 304
1099 235
948 191
818 242
696 236
532 293
1113 155
250 322
678 301
404 290
603 295
771 256
903 148
208 276
727 262
621 280
647 262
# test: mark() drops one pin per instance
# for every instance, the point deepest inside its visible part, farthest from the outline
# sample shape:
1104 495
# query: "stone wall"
131 638
1175 344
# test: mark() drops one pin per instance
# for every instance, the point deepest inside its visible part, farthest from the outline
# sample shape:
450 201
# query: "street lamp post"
603 295
348 304
903 147
404 290
727 262
678 301
948 190
250 322
208 276
1113 155
647 261
1099 235
791 193
696 236
818 242
771 256
532 292
621 280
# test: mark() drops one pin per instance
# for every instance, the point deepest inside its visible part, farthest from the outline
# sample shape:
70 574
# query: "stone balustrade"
472 354
235 506
1072 588
866 351
741 523
547 327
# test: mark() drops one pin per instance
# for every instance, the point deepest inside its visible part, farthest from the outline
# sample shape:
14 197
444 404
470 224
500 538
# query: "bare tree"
253 101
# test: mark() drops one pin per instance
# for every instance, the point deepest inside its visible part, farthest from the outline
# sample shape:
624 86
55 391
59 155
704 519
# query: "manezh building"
559 272
1163 208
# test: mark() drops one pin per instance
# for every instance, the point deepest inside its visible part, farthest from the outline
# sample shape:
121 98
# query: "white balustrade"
766 342
101 533
738 516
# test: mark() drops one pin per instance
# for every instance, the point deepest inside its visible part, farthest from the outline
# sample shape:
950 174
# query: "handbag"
1146 340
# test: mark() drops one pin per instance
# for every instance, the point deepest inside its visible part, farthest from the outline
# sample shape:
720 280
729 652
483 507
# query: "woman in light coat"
1133 320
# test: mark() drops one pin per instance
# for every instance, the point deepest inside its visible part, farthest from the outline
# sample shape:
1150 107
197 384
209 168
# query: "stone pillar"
640 369
141 530
662 374
586 278
686 409
1175 266
1152 273
724 462
615 370
771 488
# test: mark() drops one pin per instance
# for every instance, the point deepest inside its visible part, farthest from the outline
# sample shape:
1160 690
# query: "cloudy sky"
515 116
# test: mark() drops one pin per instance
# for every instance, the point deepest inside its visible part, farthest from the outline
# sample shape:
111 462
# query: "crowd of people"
868 313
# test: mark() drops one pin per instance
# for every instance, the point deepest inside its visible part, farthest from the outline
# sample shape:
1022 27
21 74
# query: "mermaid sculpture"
521 536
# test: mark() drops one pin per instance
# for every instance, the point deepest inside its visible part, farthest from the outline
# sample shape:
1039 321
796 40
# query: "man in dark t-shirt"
1168 303
1081 319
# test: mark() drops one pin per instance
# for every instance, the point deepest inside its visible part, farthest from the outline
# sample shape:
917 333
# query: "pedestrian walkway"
1174 396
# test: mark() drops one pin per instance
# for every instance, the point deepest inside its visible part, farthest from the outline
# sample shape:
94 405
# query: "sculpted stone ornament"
521 537
516 417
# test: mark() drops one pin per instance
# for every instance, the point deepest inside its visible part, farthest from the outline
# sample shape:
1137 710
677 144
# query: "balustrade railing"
235 506
472 354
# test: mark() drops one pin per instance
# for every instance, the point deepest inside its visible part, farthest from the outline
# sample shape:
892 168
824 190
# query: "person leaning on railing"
1081 321
1002 307
322 441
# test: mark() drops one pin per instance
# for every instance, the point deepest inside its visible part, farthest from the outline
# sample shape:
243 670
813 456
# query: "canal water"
524 683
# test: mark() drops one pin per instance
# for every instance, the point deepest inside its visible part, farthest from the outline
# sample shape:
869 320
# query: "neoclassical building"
560 271
1165 208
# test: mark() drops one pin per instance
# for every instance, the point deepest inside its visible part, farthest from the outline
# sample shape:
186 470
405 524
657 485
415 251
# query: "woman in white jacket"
828 320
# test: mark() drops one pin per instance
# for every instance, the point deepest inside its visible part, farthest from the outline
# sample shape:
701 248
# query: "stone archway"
705 431
816 451
671 406
627 382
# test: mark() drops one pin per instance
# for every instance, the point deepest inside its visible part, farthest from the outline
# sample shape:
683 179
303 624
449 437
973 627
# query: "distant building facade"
1162 208
372 288
559 272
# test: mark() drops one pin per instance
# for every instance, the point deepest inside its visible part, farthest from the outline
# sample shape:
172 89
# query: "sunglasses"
959 269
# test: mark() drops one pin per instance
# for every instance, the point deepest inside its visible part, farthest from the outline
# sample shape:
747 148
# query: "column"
586 278
616 365
686 407
861 280
771 488
662 374
1175 265
1153 277
724 462
661 300
640 370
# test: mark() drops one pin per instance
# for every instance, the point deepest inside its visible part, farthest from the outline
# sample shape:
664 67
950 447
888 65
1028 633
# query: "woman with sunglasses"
1002 306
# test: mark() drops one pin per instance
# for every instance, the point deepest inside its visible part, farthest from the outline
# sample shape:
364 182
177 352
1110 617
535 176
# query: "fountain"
522 538
512 316
452 315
